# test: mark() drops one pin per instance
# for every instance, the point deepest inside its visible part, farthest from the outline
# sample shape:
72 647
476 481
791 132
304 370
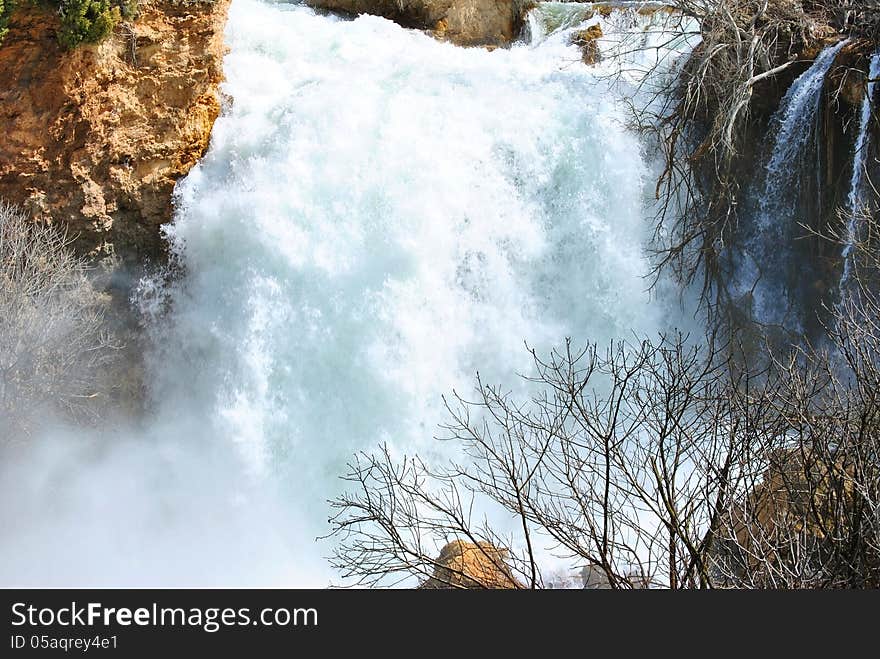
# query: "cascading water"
860 155
636 36
551 17
379 216
767 270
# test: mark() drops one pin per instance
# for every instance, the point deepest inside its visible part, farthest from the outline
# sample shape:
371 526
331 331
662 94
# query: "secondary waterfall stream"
860 156
379 217
768 271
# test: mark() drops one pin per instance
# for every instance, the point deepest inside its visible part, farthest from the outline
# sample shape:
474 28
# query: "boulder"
804 503
587 41
462 22
468 565
849 73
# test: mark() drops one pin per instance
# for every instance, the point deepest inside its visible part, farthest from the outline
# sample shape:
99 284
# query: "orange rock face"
468 565
96 138
490 23
587 41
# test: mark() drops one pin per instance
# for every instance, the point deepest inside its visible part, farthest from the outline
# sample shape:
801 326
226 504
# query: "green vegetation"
86 21
82 21
6 7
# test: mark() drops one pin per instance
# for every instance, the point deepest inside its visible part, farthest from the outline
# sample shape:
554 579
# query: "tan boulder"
468 565
462 22
587 41
803 501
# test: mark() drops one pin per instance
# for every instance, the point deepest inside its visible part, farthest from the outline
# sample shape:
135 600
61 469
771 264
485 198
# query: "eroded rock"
97 137
587 41
468 565
462 22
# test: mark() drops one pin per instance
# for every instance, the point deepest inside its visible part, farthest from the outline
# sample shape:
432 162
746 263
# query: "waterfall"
635 35
795 126
856 186
379 216
552 17
767 271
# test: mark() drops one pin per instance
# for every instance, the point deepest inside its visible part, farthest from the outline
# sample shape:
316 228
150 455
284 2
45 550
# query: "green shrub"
86 21
82 21
129 9
6 7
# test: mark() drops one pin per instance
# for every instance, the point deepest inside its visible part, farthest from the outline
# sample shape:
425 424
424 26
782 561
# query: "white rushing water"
794 125
860 156
378 217
768 265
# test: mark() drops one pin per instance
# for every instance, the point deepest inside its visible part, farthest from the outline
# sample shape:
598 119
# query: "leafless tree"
700 124
665 463
622 460
647 464
702 119
661 464
53 345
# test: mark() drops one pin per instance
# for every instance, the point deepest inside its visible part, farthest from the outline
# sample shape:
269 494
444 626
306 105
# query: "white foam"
378 217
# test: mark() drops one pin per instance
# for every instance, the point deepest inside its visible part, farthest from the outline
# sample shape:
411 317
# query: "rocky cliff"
462 22
97 137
